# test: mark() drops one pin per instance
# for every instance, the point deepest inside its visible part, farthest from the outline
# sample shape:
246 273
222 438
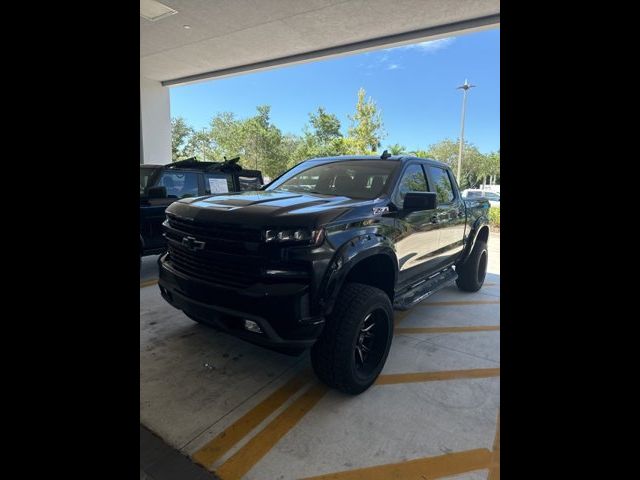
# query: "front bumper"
281 310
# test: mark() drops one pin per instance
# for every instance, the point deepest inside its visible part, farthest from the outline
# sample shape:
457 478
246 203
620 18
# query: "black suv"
161 185
322 256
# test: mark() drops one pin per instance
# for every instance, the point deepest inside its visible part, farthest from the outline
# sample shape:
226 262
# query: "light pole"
204 145
465 87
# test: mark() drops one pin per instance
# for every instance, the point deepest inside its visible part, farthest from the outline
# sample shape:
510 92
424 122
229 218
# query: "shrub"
494 217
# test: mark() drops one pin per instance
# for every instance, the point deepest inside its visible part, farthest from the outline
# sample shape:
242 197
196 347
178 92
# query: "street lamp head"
465 86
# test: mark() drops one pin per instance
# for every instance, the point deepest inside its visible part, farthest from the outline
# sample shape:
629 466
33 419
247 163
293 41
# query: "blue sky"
414 86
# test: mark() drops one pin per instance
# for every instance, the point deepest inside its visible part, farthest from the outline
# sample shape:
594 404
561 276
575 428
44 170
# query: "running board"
425 288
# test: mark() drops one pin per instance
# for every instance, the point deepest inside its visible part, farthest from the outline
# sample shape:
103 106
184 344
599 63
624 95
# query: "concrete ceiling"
228 37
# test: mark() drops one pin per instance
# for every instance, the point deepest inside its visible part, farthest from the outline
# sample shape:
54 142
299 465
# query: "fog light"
252 326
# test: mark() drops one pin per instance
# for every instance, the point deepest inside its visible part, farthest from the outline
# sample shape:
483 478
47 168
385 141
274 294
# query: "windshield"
365 179
492 196
147 177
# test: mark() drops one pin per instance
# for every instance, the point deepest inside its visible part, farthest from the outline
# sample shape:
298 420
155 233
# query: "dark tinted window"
351 178
218 183
249 183
441 184
412 181
147 176
180 184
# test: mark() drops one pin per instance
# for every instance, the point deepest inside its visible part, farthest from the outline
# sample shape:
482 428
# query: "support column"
155 123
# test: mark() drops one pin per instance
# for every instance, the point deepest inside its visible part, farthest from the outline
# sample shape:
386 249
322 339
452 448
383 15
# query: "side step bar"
424 288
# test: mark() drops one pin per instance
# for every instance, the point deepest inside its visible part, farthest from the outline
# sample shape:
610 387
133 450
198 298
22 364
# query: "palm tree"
396 149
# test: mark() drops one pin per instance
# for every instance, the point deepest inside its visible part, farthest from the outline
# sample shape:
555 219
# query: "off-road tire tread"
467 273
334 348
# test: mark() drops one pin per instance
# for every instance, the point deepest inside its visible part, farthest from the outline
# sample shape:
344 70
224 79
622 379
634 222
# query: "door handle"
434 219
460 214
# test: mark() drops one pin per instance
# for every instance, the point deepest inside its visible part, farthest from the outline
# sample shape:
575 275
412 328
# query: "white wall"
155 119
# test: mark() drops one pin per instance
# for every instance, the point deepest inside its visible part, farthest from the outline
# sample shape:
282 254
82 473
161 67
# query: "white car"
471 193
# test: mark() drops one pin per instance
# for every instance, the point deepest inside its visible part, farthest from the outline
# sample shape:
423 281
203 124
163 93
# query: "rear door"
450 214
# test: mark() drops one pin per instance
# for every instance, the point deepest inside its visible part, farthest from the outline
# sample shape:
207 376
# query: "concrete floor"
149 268
246 412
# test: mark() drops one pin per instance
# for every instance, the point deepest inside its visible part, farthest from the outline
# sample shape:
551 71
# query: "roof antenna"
385 155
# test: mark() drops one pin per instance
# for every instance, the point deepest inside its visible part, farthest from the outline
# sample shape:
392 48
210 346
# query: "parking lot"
245 412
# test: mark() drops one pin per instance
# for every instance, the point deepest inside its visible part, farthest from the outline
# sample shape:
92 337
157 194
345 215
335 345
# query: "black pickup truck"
322 255
161 185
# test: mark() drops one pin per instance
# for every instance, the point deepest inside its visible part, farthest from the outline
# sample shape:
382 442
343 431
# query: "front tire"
356 339
472 273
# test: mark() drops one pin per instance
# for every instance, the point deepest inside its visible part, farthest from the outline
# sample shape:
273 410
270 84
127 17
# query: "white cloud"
393 66
429 46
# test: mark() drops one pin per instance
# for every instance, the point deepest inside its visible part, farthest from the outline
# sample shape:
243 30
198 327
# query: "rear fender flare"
478 225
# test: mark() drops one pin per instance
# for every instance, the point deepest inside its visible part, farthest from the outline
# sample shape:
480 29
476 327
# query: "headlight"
303 236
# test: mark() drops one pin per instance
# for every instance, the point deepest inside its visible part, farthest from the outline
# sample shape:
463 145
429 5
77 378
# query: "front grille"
230 256
223 270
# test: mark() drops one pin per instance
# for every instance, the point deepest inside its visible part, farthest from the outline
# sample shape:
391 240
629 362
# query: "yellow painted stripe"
148 283
459 302
399 316
494 471
251 453
479 328
434 376
420 469
221 444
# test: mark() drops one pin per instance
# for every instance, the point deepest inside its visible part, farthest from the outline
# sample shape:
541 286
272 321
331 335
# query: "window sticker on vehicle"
218 185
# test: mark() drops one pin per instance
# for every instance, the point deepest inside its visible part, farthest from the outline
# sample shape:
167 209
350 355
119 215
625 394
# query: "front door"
418 241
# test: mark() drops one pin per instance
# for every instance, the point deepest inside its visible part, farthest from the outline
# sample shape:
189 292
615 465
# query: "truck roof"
398 158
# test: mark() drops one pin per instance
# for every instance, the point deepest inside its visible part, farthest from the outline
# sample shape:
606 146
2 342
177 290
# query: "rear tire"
472 273
355 342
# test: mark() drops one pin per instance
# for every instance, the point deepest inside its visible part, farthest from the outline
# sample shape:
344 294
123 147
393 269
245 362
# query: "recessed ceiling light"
187 26
154 11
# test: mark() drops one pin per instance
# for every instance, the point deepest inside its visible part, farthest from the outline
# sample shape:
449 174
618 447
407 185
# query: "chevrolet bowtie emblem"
192 244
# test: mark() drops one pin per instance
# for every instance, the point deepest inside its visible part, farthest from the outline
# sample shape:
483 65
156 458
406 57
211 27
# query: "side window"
412 181
249 183
180 184
442 184
218 183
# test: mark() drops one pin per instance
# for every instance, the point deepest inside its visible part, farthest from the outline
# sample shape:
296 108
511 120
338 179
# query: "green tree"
366 130
326 126
263 149
181 134
258 142
446 151
321 138
201 146
396 149
225 136
491 166
420 153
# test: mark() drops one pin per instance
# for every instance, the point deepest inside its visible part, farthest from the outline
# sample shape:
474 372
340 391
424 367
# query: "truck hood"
273 208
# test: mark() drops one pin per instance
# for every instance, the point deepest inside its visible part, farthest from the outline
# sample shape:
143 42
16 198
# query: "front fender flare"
346 258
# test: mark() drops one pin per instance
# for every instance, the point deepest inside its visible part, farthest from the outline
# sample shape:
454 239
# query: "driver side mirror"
157 192
420 201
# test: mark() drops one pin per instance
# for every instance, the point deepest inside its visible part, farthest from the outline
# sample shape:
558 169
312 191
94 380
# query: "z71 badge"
380 210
